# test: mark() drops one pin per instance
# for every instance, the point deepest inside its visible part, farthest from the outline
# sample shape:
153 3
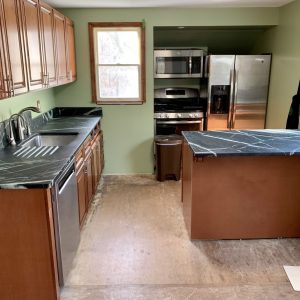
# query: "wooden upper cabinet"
37 47
50 70
61 53
32 34
12 50
70 41
3 83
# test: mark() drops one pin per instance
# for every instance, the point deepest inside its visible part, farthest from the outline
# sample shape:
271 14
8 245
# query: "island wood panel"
243 197
27 253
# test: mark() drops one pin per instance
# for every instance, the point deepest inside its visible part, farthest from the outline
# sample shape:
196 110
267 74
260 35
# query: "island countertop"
265 142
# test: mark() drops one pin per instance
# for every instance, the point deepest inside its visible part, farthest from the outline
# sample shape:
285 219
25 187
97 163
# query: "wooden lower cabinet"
89 179
27 253
80 177
89 166
95 167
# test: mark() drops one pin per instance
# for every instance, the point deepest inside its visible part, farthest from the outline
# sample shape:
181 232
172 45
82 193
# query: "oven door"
167 127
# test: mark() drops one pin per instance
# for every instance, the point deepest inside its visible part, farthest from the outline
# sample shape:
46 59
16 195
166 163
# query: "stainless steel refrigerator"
238 91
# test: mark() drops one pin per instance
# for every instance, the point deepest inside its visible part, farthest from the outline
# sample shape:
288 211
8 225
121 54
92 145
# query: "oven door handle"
179 122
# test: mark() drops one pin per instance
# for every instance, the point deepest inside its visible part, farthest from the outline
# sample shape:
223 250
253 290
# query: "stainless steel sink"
50 139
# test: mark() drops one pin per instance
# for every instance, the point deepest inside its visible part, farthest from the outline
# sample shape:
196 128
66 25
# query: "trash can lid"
173 139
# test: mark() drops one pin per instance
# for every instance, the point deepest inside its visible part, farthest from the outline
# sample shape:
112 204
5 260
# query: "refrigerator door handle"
234 99
229 121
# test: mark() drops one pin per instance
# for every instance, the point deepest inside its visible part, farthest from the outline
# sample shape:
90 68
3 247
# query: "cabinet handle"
32 2
43 79
12 90
45 10
48 79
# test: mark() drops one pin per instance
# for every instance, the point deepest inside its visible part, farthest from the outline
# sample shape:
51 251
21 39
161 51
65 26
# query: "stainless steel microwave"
178 63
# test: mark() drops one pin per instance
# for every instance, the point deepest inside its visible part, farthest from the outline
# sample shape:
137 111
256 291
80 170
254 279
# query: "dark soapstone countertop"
244 142
40 172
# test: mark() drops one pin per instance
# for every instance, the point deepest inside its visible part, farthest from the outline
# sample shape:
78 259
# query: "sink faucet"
11 135
22 124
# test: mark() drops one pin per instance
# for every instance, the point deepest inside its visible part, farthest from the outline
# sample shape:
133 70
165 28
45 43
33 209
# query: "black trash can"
168 150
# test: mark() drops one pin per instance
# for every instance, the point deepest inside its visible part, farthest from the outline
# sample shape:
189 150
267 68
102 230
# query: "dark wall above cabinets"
218 40
36 47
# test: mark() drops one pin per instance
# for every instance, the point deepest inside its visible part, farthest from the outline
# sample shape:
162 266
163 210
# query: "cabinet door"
80 177
98 158
61 55
89 179
94 167
71 63
4 92
32 34
46 13
13 47
101 143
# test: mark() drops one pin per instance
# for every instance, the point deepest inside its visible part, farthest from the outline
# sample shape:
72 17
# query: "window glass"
118 47
118 82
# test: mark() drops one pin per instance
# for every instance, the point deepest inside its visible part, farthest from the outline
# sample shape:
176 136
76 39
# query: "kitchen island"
241 184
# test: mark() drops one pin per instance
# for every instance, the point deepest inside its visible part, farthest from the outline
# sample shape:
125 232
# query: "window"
117 62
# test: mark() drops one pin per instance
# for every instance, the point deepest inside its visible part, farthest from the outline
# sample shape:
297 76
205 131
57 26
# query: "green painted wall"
128 130
225 40
284 42
15 104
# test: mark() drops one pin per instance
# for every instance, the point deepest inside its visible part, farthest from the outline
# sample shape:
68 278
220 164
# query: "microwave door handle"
206 66
201 66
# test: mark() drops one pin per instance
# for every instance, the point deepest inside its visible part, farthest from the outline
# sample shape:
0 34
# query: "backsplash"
4 127
2 135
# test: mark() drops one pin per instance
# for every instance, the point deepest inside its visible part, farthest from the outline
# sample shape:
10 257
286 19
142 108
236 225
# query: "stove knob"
191 115
179 115
197 115
162 116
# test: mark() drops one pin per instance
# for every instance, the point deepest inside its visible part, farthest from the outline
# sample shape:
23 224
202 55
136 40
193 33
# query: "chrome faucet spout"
22 127
11 135
32 108
25 126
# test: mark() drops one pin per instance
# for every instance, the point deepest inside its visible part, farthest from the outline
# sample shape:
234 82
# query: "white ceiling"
167 3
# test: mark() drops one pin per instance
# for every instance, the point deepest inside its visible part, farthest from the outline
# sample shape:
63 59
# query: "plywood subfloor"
135 246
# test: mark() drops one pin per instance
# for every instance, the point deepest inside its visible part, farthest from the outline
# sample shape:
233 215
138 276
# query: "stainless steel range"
178 109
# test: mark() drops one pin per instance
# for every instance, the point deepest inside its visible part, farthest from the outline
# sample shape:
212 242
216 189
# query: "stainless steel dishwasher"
66 221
